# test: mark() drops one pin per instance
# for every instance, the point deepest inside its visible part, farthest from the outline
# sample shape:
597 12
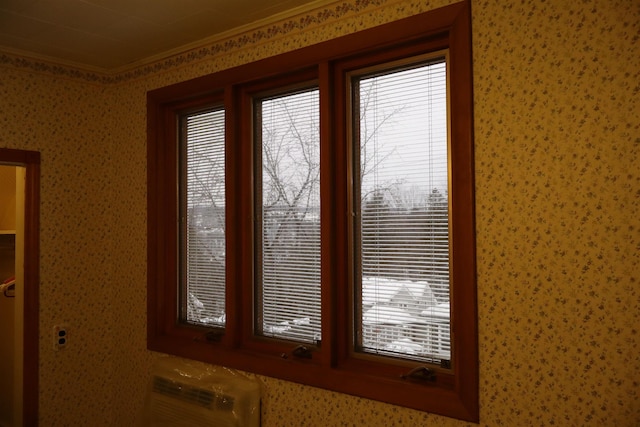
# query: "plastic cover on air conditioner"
185 393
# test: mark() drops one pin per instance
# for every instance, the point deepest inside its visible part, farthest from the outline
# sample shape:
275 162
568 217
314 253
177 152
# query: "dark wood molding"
454 392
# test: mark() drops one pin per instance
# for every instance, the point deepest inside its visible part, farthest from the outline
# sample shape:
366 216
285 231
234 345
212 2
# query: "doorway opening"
25 244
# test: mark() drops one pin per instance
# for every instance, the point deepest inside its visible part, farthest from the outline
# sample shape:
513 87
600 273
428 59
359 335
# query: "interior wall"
65 119
19 323
8 301
7 198
7 333
558 214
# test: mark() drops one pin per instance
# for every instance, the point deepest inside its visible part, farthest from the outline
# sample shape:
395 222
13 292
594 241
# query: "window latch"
421 373
302 352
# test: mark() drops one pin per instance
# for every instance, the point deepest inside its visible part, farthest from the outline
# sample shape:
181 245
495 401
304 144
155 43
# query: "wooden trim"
328 171
31 161
233 243
464 300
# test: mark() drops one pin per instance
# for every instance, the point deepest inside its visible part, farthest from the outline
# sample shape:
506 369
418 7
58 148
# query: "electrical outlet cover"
60 337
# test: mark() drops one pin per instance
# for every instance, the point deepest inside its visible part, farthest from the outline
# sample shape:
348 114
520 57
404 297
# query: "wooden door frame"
30 160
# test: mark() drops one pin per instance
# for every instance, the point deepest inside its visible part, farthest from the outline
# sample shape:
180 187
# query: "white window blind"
203 222
403 229
288 291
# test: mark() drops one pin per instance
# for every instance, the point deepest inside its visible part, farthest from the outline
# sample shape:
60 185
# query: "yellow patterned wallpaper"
557 138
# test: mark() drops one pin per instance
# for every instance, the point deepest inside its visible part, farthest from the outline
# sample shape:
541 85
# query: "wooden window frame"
453 390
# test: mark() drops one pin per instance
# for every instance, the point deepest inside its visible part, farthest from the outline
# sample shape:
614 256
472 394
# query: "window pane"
203 210
403 199
289 258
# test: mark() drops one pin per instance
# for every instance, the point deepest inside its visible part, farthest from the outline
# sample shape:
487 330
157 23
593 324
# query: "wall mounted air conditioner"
189 394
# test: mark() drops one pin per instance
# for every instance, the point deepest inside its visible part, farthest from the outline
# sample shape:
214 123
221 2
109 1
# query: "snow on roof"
386 315
376 290
440 311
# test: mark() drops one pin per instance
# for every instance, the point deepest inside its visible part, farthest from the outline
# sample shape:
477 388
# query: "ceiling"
108 35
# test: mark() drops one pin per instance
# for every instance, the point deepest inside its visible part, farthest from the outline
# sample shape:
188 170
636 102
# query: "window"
203 215
399 114
287 262
311 216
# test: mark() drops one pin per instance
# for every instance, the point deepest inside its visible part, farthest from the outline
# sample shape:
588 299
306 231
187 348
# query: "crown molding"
313 15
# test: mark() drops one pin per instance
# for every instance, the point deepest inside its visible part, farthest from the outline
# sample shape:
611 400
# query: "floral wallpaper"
557 146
